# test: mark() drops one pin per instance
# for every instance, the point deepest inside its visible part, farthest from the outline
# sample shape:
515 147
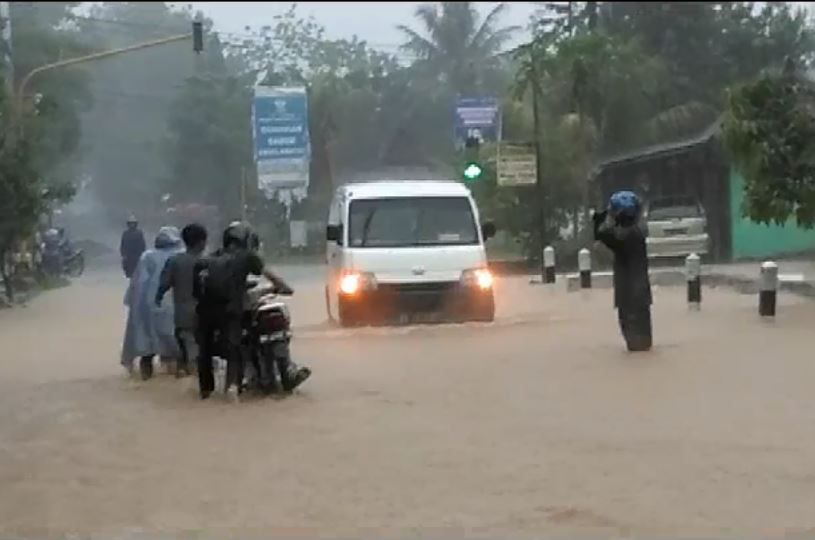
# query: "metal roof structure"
660 150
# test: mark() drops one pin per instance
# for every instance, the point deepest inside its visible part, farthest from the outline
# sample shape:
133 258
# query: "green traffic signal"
472 171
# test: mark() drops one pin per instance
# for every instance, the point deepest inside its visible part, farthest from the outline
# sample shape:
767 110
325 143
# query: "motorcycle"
59 258
265 341
61 263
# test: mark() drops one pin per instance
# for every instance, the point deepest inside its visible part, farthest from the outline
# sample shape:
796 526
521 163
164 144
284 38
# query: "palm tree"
455 45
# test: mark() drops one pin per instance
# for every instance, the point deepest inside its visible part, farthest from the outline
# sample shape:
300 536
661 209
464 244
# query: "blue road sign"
280 127
477 117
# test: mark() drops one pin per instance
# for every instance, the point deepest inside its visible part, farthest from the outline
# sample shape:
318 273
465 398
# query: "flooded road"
539 424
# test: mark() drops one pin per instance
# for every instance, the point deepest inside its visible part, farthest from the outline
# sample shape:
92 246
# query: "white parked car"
676 227
407 251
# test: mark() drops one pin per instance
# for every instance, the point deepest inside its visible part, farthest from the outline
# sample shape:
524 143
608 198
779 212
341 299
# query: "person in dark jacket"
221 308
132 246
178 275
619 229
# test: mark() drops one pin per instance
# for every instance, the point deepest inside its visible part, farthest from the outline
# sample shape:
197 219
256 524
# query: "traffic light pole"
18 100
90 58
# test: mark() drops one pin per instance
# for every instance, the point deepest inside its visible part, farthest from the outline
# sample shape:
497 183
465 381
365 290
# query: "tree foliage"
455 45
134 95
40 129
769 131
633 75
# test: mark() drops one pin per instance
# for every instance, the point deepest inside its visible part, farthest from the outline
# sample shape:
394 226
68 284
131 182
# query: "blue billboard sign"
477 117
282 146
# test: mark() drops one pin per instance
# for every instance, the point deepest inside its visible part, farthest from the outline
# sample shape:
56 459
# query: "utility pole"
539 187
91 58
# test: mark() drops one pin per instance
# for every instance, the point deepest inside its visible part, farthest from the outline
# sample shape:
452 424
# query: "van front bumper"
417 302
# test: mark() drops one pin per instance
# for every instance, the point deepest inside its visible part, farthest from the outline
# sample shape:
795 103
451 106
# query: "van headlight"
352 283
480 278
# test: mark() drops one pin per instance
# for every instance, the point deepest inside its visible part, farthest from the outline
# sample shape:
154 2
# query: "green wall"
751 240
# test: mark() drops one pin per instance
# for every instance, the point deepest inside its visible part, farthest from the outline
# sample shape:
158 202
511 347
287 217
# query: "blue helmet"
624 203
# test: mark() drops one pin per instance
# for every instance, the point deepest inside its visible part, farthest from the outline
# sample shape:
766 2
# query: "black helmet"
239 234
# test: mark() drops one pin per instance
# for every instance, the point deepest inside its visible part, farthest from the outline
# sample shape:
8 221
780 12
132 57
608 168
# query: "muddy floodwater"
538 424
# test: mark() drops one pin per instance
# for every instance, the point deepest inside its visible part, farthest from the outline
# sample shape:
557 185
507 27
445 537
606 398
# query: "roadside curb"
793 283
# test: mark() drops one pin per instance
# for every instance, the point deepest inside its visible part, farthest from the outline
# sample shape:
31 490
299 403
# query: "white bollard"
693 273
768 289
549 264
584 265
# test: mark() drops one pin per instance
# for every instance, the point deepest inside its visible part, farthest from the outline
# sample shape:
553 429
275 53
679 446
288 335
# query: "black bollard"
549 264
693 272
584 265
768 289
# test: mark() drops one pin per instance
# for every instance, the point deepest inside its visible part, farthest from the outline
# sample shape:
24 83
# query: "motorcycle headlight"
353 282
480 278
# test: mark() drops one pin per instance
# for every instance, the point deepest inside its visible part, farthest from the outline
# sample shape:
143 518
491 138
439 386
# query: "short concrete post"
693 272
768 289
549 264
584 265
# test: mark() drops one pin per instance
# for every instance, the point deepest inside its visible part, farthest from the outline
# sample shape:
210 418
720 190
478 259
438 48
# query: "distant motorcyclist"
52 254
220 287
618 228
131 246
65 244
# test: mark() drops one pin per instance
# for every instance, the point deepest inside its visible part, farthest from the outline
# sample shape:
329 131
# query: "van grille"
436 287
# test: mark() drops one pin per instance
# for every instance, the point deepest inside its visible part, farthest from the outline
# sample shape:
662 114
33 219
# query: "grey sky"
374 22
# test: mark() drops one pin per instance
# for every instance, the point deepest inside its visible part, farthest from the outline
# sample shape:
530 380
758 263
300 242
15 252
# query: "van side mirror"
333 233
488 230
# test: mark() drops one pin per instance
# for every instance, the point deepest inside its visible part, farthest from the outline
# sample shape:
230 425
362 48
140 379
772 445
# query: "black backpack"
215 277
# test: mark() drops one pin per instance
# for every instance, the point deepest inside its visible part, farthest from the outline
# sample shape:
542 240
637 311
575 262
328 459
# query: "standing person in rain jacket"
150 328
618 228
132 246
178 275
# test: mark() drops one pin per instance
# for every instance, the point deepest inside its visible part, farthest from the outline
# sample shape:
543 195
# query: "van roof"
407 188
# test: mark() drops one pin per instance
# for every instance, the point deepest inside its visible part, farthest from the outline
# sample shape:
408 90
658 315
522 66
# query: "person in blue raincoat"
150 328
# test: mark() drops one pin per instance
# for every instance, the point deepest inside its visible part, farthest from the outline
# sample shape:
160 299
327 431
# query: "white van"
407 251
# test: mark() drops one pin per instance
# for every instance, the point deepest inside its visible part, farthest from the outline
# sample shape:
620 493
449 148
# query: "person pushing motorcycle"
220 288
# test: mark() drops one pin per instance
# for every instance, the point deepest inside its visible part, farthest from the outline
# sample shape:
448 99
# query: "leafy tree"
134 95
705 47
769 131
455 45
39 138
54 99
407 118
208 146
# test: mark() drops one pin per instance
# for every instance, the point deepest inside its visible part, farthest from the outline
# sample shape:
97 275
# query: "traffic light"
472 171
472 167
197 36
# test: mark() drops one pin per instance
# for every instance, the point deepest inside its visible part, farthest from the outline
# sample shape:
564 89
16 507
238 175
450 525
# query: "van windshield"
414 221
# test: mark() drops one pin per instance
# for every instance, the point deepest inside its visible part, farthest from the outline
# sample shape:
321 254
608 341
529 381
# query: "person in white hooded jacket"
150 329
